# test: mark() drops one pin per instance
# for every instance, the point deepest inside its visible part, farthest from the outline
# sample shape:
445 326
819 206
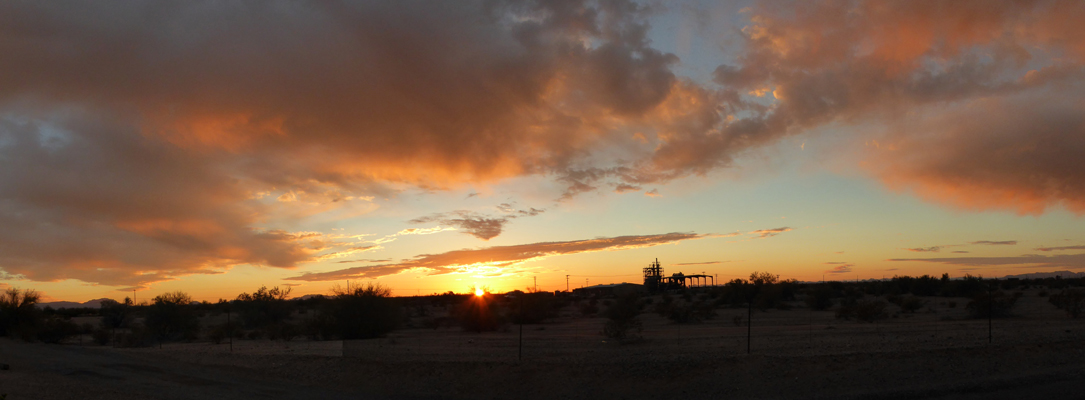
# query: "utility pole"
535 281
566 283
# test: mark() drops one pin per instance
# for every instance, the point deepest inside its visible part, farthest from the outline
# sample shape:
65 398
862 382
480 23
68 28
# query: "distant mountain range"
1038 275
96 303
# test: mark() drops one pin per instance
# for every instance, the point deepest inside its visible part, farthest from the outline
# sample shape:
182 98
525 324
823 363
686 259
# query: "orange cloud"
1074 261
498 257
766 233
1021 154
999 79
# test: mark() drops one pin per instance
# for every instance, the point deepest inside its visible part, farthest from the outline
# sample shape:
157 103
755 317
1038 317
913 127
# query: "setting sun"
479 292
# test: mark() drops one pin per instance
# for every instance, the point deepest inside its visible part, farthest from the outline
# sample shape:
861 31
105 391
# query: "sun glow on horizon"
479 292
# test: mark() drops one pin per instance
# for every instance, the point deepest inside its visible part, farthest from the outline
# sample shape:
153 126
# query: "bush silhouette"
589 308
19 315
820 297
911 304
1071 300
535 308
115 315
364 312
622 324
479 314
686 312
56 330
264 307
171 316
862 310
996 304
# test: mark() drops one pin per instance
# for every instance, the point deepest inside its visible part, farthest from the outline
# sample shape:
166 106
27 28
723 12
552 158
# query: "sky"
218 146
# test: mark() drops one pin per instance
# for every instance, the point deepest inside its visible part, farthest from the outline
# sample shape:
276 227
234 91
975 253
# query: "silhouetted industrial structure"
654 280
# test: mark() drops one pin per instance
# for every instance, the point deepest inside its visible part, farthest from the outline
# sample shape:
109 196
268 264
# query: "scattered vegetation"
369 311
865 310
532 308
996 304
622 323
364 312
479 313
19 315
171 317
1071 300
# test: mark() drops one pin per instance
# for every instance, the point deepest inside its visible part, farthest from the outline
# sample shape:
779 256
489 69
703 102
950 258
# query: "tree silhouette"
171 316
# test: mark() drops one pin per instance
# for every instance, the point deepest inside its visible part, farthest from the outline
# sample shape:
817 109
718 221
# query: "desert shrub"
365 312
478 314
171 316
19 315
321 325
732 294
56 330
683 313
589 308
217 335
763 278
284 331
765 290
737 320
894 299
862 310
221 332
911 304
996 304
969 286
769 296
532 308
264 307
1043 293
622 323
820 297
1071 300
136 336
870 310
101 336
115 315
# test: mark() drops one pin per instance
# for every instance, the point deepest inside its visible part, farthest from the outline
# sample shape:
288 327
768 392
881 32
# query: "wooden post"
520 356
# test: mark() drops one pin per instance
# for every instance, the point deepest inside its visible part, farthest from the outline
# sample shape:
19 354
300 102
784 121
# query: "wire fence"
797 332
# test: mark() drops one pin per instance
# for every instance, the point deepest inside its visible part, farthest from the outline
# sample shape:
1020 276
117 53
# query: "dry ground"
934 353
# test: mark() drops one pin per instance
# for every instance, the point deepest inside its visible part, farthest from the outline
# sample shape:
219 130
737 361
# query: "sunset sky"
214 147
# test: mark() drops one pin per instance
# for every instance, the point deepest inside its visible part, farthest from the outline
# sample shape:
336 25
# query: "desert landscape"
937 351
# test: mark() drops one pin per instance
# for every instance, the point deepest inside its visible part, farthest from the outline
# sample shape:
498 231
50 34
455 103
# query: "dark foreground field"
935 353
1050 371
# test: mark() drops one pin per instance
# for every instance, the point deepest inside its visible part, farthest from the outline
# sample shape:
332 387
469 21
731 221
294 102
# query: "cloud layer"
982 101
1072 261
498 257
146 141
141 142
482 226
